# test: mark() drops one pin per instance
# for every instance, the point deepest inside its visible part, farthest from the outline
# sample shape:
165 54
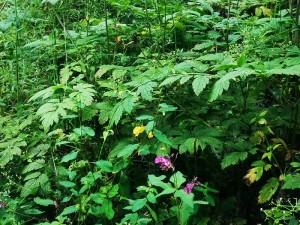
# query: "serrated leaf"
254 174
70 156
32 175
65 74
29 187
199 84
84 94
293 70
117 114
128 103
43 202
103 69
138 204
291 182
170 80
204 45
34 166
223 83
145 90
233 158
187 145
268 190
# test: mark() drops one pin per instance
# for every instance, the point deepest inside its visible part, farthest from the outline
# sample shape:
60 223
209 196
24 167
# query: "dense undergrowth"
149 112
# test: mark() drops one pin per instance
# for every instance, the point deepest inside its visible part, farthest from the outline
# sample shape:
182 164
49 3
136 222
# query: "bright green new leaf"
43 202
69 210
177 179
105 165
138 204
291 181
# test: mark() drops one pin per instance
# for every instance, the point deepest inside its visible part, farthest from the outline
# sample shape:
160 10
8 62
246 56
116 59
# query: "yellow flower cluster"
138 130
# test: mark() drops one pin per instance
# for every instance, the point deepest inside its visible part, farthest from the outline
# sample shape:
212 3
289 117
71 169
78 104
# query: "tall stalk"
17 49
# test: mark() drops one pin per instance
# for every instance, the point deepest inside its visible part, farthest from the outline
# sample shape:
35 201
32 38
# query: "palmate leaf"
233 158
145 90
254 174
84 94
268 190
223 83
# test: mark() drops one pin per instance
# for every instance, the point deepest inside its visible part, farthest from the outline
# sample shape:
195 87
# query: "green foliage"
115 111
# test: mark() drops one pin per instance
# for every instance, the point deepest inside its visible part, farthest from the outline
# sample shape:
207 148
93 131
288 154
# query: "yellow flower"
150 134
138 130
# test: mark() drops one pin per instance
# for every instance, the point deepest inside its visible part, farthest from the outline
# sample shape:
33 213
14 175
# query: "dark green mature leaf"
105 165
268 190
170 80
233 158
161 137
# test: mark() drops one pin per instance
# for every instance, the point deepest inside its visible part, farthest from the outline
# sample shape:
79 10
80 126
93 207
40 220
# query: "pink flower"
164 162
189 187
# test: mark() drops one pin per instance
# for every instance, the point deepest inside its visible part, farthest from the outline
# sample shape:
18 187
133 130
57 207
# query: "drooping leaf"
268 190
233 158
223 83
199 84
170 80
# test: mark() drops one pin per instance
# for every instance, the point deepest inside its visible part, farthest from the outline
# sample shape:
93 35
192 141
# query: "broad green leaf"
188 145
84 94
170 80
161 137
241 60
67 184
199 84
43 202
223 83
166 108
291 182
157 181
187 199
30 187
233 158
34 166
105 165
117 112
166 191
127 151
128 103
113 191
84 130
177 179
204 45
138 204
103 69
70 156
107 209
70 210
32 175
293 70
268 190
145 90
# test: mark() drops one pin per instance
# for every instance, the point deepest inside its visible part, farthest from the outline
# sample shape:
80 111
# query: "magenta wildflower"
164 162
189 187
